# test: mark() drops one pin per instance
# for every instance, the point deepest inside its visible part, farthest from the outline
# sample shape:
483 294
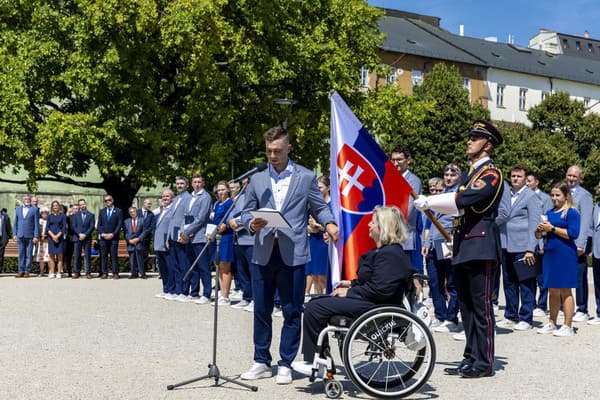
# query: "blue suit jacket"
596 232
584 203
130 234
197 217
161 229
524 218
178 214
149 221
78 225
27 227
303 196
503 214
113 226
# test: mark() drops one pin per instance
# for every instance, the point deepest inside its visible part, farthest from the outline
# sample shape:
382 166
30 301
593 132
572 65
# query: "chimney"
586 34
543 30
461 30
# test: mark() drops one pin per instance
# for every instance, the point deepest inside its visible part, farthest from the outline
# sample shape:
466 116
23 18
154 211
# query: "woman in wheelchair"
383 275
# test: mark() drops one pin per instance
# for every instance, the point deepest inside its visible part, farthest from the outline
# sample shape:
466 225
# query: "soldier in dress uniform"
476 247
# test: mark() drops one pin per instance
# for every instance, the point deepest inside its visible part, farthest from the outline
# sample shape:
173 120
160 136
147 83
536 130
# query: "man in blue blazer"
524 217
26 231
82 224
401 157
110 222
585 204
161 250
596 258
148 219
196 213
177 244
134 237
281 253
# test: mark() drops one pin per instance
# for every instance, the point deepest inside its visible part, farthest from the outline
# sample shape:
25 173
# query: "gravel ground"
96 339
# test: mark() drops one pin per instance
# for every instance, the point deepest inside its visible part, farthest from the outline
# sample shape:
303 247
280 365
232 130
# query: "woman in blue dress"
56 230
560 257
316 269
226 245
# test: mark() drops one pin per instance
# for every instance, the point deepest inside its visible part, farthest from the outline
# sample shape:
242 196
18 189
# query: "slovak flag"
362 177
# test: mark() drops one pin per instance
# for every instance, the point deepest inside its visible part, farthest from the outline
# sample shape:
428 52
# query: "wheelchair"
388 352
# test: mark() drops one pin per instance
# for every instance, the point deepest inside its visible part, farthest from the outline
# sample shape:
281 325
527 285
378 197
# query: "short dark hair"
535 175
80 200
519 167
197 176
277 132
402 150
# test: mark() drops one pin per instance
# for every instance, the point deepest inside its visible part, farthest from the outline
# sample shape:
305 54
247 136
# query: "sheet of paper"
274 218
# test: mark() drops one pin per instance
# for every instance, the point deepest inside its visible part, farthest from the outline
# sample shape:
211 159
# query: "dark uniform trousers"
474 281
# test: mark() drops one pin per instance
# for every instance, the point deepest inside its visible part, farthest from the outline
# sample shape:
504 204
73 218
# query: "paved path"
65 339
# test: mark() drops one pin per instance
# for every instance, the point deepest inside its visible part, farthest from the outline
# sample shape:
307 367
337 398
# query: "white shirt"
514 196
280 183
162 213
194 197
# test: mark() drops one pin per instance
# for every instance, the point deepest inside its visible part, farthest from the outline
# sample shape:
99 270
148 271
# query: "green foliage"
558 114
149 89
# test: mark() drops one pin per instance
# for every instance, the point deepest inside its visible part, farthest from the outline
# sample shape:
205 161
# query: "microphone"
260 167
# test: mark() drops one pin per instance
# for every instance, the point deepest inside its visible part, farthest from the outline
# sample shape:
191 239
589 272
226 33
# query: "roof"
412 36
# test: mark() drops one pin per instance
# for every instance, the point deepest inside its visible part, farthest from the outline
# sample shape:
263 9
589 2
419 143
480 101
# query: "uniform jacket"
302 196
476 236
177 219
197 217
596 231
79 225
584 203
161 230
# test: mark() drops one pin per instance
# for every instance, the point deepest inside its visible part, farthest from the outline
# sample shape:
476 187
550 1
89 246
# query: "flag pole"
433 219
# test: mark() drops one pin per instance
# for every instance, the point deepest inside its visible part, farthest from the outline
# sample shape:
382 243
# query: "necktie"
134 225
108 212
83 216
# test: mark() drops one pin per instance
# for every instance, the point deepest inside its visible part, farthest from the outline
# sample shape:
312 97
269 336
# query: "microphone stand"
213 369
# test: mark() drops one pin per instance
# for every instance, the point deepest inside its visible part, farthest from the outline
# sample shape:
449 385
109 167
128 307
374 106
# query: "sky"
519 18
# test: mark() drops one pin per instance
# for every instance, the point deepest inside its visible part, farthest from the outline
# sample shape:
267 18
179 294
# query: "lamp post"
288 103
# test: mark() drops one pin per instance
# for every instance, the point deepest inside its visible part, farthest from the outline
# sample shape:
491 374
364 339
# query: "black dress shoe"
457 370
133 277
475 373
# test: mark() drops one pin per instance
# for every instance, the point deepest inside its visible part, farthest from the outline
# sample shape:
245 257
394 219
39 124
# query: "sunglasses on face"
451 169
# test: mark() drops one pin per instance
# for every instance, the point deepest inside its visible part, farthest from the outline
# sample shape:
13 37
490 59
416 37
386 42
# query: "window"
364 76
590 47
522 99
466 83
500 95
565 43
417 77
391 78
586 102
545 95
578 45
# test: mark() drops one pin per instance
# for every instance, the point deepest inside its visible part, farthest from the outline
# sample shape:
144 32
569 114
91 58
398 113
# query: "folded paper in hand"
273 217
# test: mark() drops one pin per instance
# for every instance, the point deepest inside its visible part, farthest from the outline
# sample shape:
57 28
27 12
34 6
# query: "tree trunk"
123 190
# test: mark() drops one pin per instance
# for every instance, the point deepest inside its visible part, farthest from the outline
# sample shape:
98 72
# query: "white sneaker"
460 336
436 323
522 326
171 296
51 276
240 304
193 299
160 295
223 301
284 375
305 368
548 328
277 312
564 331
580 317
202 300
58 276
447 327
181 298
257 371
250 307
236 295
594 321
538 312
496 308
505 323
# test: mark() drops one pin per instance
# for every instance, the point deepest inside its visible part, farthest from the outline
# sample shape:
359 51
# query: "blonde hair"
392 228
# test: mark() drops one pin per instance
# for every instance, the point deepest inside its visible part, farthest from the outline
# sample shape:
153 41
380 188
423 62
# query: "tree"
148 89
558 114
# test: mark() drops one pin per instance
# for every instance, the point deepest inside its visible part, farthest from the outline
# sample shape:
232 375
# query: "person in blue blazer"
161 249
27 233
524 218
82 223
281 253
110 221
148 219
134 237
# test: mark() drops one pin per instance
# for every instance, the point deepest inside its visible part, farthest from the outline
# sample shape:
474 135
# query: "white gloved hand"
421 203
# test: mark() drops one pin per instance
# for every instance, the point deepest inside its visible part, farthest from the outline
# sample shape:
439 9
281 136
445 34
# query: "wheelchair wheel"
333 389
389 352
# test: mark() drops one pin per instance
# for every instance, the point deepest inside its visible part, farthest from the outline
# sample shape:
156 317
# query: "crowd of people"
540 254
